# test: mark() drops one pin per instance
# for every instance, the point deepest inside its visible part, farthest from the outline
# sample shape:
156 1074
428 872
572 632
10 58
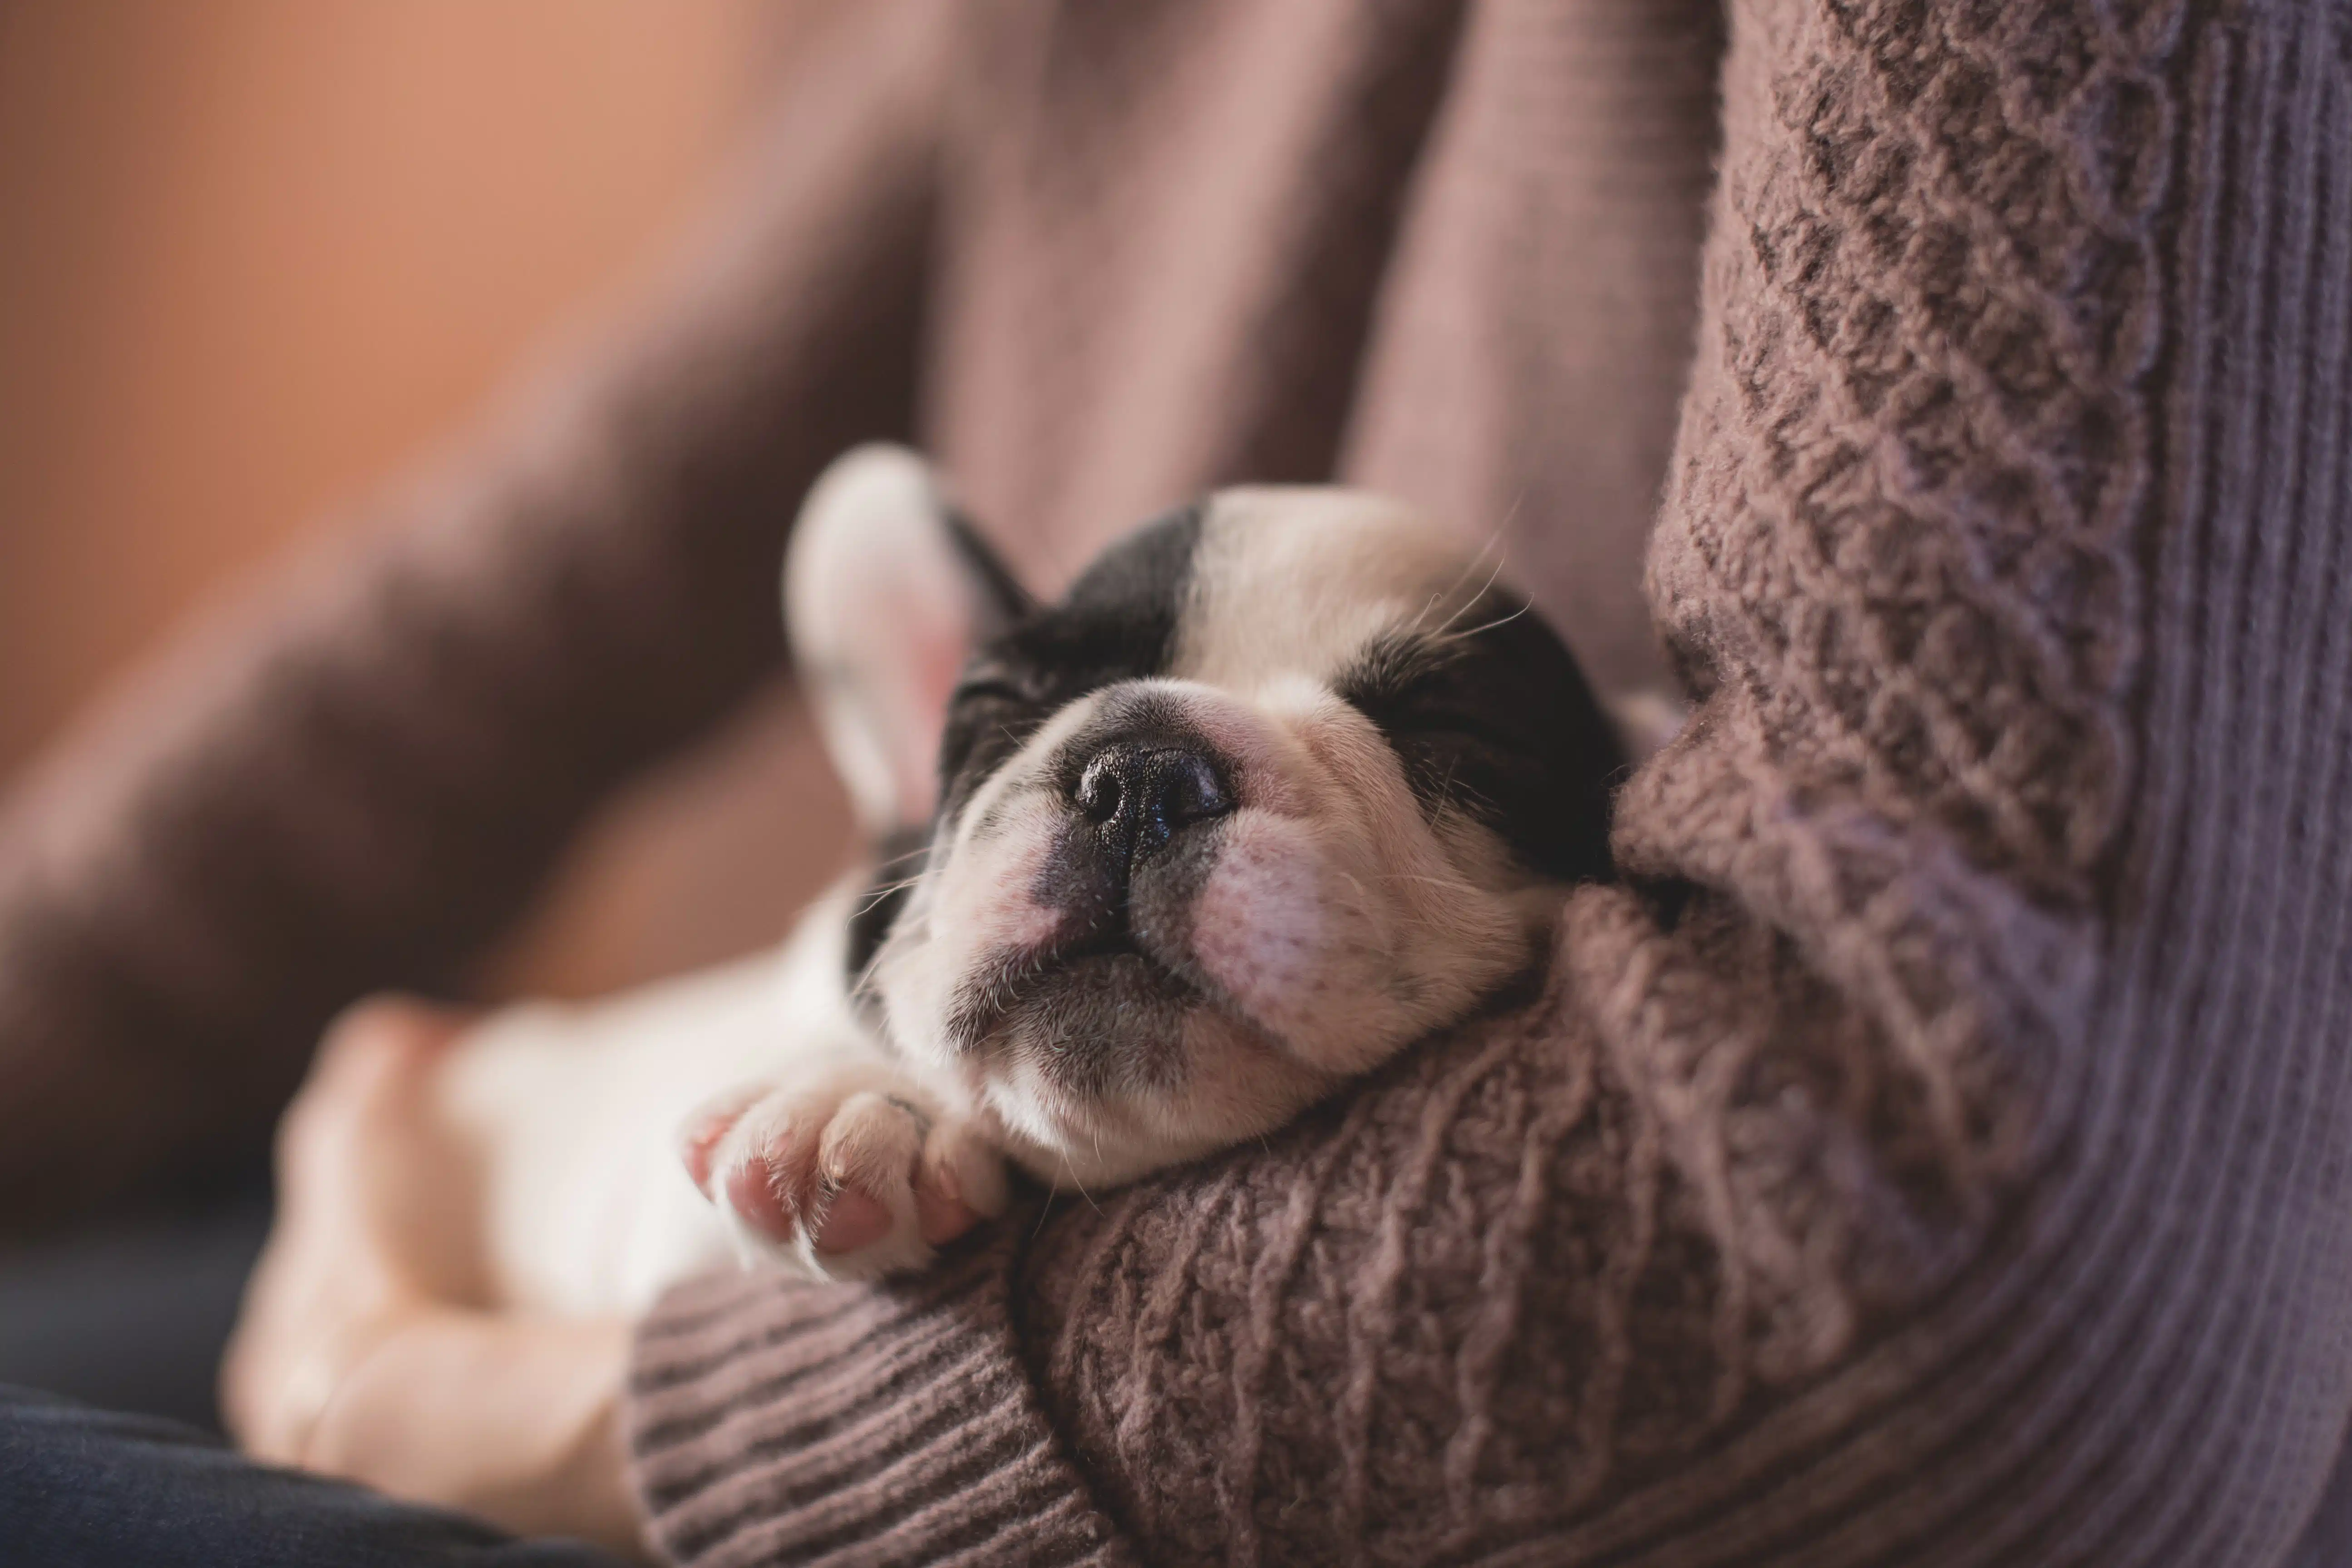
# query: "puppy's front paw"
839 1180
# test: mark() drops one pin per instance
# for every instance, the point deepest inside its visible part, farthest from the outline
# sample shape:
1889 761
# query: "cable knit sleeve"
354 779
1931 1151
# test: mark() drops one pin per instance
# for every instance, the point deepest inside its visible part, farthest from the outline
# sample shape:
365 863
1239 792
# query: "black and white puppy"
1282 782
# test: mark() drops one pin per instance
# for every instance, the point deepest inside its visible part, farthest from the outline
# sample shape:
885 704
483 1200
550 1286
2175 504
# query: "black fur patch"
1117 622
1007 597
1495 719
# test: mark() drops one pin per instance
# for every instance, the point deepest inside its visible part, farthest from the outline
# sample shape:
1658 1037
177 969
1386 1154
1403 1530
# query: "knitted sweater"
1931 1150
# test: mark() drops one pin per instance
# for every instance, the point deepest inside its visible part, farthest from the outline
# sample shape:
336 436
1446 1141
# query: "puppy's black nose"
1142 796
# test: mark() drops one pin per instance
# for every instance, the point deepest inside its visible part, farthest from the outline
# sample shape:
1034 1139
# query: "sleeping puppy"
1284 783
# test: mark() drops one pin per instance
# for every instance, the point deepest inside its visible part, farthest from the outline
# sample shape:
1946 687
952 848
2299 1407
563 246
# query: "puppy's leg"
841 1177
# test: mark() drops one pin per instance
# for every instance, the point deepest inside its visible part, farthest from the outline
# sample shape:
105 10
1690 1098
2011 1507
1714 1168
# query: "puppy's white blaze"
1299 579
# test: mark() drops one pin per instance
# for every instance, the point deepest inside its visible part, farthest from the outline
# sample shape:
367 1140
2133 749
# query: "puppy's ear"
887 592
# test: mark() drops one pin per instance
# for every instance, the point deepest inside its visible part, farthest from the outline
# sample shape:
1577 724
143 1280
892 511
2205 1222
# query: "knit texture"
1899 1167
939 1452
1932 1151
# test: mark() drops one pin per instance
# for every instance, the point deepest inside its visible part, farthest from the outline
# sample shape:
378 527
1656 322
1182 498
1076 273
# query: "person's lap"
130 1312
80 1486
128 1318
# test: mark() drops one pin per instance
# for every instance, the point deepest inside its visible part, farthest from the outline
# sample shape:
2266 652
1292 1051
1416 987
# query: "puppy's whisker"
1446 634
1357 887
876 895
1452 636
1494 546
1070 1172
1442 596
1449 884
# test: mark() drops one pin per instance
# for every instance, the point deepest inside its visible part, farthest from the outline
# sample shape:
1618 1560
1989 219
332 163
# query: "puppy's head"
1282 782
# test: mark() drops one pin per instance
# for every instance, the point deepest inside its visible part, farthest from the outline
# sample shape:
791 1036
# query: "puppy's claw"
707 1127
835 1181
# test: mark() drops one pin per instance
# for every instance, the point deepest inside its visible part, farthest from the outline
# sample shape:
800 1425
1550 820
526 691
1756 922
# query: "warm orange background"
257 255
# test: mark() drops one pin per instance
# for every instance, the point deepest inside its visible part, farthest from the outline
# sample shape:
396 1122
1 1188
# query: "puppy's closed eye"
1452 759
997 684
1494 722
992 711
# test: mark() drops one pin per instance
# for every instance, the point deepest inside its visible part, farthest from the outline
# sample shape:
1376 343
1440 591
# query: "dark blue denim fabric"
82 1487
131 1310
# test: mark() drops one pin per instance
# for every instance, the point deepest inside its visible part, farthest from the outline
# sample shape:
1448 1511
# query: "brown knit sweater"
1934 1152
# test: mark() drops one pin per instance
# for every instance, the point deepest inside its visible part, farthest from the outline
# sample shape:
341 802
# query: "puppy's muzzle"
1139 800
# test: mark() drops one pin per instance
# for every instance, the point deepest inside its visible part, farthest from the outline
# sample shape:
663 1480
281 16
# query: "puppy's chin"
1108 1021
1085 1108
1104 1061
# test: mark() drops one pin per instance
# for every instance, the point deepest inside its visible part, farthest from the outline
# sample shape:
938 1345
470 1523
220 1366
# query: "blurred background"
256 259
259 255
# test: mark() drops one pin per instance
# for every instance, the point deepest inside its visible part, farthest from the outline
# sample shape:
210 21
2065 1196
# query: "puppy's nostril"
1188 789
1100 789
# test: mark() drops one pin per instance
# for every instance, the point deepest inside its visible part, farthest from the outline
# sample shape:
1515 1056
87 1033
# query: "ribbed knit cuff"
774 1421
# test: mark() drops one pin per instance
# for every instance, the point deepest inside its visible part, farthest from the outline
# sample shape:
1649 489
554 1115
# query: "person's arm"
355 780
356 1354
1931 1152
364 1350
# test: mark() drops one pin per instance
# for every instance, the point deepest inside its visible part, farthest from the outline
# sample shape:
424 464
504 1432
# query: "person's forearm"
353 1355
512 1418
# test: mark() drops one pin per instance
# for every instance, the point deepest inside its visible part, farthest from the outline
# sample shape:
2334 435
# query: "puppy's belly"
570 1116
